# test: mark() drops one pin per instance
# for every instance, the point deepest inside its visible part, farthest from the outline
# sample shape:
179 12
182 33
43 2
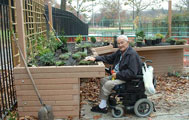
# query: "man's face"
122 44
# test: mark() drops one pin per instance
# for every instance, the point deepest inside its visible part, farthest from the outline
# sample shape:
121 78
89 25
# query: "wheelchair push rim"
143 108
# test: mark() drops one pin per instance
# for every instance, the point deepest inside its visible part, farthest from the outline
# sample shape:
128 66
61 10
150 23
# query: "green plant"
12 115
177 74
64 56
159 36
59 63
43 51
181 42
132 44
76 56
64 40
78 39
83 54
84 62
47 59
139 39
93 39
140 34
53 43
85 45
168 40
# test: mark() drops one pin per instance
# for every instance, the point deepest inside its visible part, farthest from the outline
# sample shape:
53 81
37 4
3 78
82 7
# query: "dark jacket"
130 64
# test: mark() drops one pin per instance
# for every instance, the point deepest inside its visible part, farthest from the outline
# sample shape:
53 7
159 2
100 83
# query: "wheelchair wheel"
117 112
143 107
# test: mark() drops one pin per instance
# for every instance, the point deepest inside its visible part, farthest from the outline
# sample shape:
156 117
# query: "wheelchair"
130 96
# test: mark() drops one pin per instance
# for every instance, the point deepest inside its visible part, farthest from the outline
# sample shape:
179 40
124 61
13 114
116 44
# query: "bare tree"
81 6
183 4
63 5
140 5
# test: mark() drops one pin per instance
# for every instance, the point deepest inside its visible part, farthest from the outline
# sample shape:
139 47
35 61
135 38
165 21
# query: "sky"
163 4
96 9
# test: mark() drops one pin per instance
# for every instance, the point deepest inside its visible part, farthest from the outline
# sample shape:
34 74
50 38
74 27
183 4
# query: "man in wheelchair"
127 65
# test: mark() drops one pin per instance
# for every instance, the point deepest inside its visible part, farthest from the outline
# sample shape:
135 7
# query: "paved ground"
178 111
171 103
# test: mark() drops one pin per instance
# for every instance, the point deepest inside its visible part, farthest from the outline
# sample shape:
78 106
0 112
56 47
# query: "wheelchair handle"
142 57
148 61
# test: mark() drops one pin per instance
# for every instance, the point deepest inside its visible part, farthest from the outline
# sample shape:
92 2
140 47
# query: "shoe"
99 110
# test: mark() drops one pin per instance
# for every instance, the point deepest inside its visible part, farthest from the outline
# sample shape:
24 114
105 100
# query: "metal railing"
7 91
64 21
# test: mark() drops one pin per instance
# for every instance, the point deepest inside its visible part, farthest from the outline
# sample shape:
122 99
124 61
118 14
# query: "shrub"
139 39
181 42
59 63
93 39
64 56
63 39
159 35
47 59
168 40
140 34
83 54
78 39
76 56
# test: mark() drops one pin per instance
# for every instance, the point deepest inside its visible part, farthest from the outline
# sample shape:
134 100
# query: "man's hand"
89 58
114 75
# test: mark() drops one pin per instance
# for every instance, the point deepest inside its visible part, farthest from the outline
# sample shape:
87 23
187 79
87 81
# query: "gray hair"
123 37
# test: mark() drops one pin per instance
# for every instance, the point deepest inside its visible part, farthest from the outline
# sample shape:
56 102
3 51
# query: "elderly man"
126 64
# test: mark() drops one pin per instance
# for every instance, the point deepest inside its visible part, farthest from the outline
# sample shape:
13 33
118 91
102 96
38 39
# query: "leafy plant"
78 39
139 39
93 39
181 42
140 34
12 115
43 51
64 49
159 35
47 59
59 63
83 62
64 40
76 56
65 56
132 44
170 39
148 38
53 43
83 54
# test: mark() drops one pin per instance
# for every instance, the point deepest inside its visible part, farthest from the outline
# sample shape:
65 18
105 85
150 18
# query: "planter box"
163 58
59 87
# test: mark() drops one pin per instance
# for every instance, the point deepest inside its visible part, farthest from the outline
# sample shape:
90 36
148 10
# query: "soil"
171 100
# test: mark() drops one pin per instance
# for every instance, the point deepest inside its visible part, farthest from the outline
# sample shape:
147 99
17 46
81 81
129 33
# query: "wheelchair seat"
134 85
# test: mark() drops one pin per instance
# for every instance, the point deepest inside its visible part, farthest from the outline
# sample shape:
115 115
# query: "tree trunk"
63 4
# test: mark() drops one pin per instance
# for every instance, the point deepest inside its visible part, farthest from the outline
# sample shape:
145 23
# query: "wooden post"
169 18
20 29
50 15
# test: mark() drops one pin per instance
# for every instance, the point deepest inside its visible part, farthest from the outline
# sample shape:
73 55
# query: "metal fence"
7 91
67 22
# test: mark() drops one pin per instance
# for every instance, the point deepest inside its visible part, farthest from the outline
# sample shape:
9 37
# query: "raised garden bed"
59 87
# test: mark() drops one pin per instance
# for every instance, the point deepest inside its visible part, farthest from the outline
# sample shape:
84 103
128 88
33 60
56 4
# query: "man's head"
122 42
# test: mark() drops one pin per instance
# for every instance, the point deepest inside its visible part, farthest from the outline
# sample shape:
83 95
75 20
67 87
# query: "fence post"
169 18
20 29
50 15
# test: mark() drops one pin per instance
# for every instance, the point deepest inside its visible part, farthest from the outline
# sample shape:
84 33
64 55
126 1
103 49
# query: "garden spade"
45 112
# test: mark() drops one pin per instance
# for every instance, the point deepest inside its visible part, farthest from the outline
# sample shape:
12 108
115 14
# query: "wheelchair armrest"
138 77
108 70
